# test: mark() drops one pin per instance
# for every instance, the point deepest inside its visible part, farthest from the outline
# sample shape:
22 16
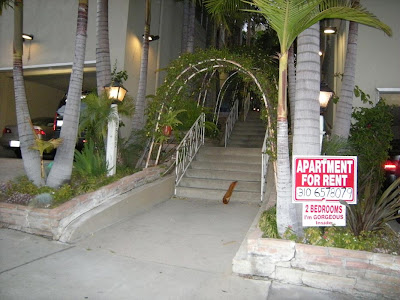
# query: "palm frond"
291 17
350 13
4 4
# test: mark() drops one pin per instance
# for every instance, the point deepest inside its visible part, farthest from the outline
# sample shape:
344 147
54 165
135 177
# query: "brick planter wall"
359 273
52 222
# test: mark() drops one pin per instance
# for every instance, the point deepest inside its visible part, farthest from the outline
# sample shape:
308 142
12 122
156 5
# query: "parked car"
43 127
59 120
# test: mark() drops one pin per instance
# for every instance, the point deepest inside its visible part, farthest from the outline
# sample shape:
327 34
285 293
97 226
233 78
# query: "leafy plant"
96 114
267 223
382 241
336 145
370 137
373 211
118 77
44 146
91 161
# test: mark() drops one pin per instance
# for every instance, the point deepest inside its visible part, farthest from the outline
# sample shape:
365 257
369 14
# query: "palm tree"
61 171
31 158
289 18
341 125
103 64
138 116
189 11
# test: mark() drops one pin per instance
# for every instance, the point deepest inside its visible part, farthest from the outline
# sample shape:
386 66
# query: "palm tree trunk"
31 158
61 171
292 85
191 31
306 138
285 213
138 116
185 25
306 135
103 64
342 122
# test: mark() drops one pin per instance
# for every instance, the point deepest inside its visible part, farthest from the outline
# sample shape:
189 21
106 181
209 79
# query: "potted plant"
169 120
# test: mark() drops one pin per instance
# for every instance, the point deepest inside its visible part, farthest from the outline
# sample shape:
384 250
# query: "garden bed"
358 273
60 223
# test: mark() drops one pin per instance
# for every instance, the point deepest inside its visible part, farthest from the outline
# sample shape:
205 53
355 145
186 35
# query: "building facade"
48 57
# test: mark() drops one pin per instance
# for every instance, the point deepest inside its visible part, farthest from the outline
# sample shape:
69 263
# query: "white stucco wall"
166 21
378 56
53 24
48 58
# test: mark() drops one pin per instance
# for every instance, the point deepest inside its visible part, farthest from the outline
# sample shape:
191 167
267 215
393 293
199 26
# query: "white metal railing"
264 165
188 147
231 120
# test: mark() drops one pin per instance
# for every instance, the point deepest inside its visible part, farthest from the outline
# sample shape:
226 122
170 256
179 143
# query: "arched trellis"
213 64
185 69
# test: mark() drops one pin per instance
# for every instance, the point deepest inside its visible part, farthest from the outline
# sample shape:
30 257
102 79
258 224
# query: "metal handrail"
188 147
264 165
231 120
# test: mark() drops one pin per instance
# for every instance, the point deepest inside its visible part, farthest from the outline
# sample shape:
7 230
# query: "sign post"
319 182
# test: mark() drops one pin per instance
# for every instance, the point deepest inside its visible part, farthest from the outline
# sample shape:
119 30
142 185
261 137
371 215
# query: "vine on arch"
186 76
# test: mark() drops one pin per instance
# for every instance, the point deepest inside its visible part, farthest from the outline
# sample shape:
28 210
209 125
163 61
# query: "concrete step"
229 158
220 184
247 136
224 175
217 195
212 166
221 151
244 144
249 126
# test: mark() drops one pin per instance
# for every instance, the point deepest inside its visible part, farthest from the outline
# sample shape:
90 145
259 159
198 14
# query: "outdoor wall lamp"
27 37
325 94
152 37
115 91
330 30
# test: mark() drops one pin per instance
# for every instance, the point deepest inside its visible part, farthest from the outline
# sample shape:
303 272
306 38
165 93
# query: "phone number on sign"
320 193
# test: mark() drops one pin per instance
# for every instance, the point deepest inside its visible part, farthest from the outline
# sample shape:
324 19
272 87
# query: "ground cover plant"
384 240
24 192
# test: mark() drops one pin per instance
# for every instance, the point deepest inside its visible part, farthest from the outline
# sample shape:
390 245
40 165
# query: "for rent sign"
319 182
324 178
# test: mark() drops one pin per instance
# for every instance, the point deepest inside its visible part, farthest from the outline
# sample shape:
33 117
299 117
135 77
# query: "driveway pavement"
10 166
178 249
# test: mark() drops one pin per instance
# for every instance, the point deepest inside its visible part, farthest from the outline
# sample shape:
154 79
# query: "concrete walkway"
178 249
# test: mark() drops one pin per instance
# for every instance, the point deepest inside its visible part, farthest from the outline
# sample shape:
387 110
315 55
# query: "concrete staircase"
249 133
215 168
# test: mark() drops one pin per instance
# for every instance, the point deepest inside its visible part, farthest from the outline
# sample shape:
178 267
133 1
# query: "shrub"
267 223
370 137
91 161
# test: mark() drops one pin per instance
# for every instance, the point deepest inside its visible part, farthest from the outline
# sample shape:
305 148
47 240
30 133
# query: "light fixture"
325 94
152 37
320 53
27 37
115 91
330 30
